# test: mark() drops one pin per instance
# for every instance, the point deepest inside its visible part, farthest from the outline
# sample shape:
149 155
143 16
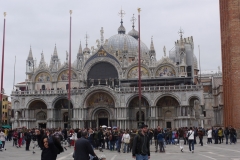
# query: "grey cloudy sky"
42 24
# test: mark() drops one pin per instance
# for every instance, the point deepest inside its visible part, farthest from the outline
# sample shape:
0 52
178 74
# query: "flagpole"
139 69
1 88
69 74
14 73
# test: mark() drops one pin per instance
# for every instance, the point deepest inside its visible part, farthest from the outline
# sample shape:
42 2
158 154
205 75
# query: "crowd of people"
137 141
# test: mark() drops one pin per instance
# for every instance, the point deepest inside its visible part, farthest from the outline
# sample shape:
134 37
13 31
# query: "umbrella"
109 127
104 126
114 127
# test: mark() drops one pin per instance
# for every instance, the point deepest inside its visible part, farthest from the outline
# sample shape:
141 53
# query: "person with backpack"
190 136
141 146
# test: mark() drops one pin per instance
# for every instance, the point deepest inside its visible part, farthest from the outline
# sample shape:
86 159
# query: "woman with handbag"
126 141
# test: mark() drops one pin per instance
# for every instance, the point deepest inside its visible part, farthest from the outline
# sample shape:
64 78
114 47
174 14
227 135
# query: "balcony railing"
160 88
117 89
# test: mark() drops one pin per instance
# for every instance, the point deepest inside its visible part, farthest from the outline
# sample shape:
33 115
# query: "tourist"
2 139
209 136
181 138
191 140
83 148
141 147
126 141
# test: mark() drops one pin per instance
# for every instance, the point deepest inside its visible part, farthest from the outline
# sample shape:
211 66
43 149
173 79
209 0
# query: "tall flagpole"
199 64
139 69
14 73
69 74
1 88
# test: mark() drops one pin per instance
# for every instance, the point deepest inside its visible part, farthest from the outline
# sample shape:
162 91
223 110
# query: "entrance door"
41 125
169 125
103 121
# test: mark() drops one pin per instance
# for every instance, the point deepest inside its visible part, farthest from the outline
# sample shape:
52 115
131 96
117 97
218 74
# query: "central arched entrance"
102 118
100 106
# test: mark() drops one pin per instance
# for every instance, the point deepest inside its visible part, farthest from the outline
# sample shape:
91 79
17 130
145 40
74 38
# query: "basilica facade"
104 87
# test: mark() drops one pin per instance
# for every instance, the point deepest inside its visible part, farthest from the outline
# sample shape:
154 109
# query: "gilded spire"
80 49
30 56
152 45
55 51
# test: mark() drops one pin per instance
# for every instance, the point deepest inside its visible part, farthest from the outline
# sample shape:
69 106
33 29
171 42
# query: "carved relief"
183 97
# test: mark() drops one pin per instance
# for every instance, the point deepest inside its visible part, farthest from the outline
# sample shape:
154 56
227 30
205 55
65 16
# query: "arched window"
41 115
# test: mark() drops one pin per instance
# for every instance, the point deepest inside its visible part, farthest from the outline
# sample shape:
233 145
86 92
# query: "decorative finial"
121 13
5 14
133 20
180 32
139 10
70 12
86 37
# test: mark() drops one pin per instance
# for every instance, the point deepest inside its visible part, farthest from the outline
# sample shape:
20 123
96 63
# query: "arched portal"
37 111
100 106
133 112
167 108
60 113
102 118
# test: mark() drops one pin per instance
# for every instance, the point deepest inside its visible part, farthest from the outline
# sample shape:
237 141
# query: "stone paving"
206 152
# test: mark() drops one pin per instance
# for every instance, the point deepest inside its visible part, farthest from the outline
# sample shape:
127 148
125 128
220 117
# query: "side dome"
116 43
133 33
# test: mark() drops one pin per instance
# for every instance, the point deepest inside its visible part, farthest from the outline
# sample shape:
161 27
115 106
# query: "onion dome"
133 32
121 29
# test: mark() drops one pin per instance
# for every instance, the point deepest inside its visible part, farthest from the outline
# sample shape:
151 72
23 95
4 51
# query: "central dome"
116 43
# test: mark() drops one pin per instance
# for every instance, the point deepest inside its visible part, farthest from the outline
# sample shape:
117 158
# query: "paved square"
206 152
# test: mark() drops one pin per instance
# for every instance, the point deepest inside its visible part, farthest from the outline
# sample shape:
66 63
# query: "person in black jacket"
49 151
83 148
28 137
141 147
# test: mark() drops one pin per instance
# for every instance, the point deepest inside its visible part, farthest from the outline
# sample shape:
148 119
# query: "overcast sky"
42 24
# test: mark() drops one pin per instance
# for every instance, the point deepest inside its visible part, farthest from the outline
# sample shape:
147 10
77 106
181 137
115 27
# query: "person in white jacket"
191 140
126 141
2 139
209 136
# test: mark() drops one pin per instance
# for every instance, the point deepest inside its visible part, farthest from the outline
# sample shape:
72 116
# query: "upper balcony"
174 88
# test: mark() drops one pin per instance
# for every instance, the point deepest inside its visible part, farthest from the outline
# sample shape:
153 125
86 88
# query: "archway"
133 112
102 117
38 111
61 111
167 108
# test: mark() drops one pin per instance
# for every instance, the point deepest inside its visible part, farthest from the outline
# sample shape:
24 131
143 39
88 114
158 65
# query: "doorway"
102 121
41 125
169 125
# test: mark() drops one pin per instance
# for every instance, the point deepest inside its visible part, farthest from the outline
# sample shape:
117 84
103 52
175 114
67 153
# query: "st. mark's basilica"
104 87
